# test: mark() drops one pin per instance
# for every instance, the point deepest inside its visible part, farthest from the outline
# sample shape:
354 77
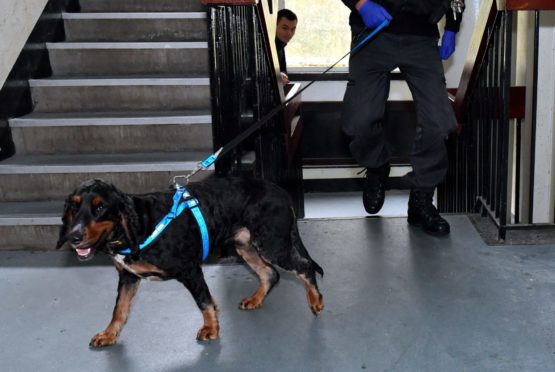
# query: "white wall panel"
17 19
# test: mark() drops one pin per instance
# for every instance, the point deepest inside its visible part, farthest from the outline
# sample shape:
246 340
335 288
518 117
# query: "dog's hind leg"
127 289
313 295
306 270
300 262
267 275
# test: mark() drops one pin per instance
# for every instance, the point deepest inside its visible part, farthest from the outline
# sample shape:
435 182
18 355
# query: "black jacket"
280 47
415 17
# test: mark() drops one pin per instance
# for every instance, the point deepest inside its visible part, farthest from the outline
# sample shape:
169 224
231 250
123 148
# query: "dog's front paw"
103 339
208 333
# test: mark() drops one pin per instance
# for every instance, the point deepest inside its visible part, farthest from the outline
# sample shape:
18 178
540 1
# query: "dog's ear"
67 219
129 221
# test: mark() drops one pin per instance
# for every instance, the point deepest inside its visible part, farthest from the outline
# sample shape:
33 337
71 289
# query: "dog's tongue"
83 252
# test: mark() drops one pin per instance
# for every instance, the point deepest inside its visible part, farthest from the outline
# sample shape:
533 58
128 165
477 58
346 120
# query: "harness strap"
192 204
182 200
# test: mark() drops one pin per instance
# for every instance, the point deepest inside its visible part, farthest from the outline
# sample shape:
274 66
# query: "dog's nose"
76 239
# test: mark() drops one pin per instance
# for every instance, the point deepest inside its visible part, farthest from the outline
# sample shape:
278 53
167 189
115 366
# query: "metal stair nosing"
129 58
30 225
105 133
120 93
134 27
141 6
53 177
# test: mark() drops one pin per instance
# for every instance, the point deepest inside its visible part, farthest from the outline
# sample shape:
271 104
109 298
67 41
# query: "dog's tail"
301 249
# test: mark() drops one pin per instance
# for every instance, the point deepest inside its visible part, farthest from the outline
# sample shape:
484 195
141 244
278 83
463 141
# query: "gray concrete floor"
396 300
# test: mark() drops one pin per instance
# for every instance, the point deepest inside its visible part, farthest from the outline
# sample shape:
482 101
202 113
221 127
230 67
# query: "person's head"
286 25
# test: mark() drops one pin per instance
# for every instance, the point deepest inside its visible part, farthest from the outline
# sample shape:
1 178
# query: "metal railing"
485 173
244 88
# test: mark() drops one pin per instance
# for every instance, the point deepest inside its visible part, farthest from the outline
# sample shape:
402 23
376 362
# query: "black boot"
373 194
423 213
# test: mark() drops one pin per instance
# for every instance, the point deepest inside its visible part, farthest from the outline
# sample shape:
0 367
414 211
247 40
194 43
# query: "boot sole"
433 233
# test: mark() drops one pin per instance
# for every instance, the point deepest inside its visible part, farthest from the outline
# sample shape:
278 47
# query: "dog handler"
410 43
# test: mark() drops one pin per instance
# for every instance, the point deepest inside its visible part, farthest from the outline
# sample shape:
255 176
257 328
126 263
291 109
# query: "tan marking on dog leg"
211 327
119 317
143 268
252 258
313 295
140 269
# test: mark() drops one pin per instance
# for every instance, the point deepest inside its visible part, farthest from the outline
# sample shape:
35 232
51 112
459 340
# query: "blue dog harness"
182 200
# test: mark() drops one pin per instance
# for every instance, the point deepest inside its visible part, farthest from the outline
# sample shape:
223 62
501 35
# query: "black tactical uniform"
410 42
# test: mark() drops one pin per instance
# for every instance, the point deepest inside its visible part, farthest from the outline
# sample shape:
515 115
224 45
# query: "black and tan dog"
256 216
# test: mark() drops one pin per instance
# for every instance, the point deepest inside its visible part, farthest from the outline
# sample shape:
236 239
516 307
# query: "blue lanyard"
181 200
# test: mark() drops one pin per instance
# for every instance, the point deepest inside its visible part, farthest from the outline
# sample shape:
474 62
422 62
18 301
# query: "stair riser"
98 30
112 139
113 62
29 237
141 6
57 186
120 98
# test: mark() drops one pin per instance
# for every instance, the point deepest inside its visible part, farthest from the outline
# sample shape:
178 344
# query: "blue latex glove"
373 14
447 47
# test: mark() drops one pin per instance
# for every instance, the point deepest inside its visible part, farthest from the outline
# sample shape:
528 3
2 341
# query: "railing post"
534 116
504 128
485 104
243 89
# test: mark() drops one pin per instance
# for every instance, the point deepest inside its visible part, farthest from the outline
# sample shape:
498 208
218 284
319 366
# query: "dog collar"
182 200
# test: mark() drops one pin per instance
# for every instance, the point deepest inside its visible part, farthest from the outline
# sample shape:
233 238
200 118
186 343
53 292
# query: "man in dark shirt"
409 43
285 30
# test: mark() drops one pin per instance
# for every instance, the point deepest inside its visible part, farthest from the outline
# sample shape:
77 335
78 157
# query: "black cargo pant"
366 95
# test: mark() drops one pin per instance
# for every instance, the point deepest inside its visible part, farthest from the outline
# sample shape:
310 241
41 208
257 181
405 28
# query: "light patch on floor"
349 204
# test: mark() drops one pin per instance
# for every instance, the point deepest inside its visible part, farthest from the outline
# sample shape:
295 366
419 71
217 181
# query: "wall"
17 19
454 65
544 180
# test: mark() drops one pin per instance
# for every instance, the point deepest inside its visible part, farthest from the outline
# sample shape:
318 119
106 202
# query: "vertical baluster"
493 99
506 84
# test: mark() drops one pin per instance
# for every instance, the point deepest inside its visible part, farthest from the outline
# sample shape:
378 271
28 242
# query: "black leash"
242 136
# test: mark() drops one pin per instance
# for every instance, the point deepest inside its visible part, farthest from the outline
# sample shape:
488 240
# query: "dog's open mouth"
84 254
85 251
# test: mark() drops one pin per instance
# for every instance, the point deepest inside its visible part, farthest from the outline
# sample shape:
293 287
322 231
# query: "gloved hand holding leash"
372 14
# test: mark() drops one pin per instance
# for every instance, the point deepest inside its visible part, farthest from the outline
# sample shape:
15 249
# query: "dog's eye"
98 209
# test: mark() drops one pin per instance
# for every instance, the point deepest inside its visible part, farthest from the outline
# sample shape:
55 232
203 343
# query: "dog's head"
97 216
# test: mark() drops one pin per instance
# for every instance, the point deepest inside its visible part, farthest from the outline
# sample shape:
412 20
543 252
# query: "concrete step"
112 59
109 132
141 6
53 177
135 26
30 225
120 94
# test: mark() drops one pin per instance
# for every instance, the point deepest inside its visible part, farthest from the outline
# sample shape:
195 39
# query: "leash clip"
176 184
200 166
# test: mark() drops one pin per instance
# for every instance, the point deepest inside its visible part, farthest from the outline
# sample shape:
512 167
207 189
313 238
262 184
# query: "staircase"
128 101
